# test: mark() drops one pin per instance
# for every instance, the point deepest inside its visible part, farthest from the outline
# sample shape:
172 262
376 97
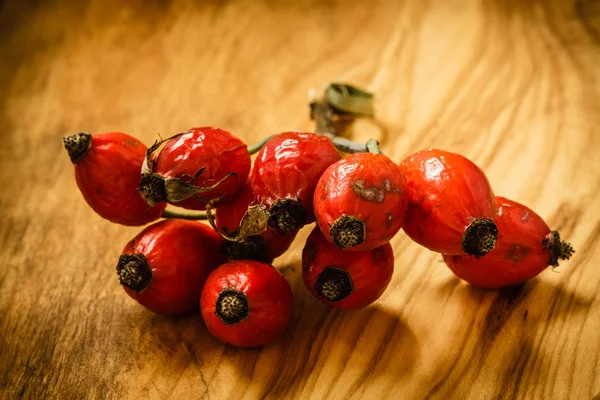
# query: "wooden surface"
511 84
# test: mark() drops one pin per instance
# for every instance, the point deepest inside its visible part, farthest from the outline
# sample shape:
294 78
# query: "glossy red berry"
246 303
264 247
345 280
525 247
451 204
361 201
196 167
286 173
107 171
164 267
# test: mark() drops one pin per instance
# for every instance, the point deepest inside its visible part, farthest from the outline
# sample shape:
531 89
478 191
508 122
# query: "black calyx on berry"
287 215
134 272
480 237
77 146
347 231
232 306
153 189
333 284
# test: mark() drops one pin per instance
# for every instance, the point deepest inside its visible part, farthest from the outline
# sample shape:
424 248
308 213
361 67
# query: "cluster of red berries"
442 201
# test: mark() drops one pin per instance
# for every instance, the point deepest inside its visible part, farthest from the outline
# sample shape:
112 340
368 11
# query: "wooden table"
513 85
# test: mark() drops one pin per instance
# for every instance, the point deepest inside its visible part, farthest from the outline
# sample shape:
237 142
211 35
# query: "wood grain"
513 85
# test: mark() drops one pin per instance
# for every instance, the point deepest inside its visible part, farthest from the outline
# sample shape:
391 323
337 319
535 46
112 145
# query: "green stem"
348 146
373 146
175 214
257 146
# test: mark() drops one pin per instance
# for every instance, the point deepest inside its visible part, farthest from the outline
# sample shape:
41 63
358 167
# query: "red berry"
164 267
286 173
264 247
344 280
525 247
451 204
198 166
246 303
360 201
107 171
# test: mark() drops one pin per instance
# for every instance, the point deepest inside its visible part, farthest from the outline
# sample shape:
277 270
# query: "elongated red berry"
165 266
107 171
246 303
264 247
286 173
196 167
344 280
361 201
451 204
525 247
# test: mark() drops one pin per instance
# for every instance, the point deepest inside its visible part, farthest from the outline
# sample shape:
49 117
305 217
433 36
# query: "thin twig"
175 214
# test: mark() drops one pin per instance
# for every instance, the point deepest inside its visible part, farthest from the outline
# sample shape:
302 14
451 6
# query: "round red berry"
196 167
361 201
246 303
164 267
286 173
344 280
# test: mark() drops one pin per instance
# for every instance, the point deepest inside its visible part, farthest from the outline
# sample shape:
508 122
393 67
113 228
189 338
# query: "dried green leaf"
254 222
349 99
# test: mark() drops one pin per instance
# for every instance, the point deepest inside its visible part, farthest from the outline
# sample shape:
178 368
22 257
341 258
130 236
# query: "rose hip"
344 280
264 247
194 168
361 201
525 247
285 175
107 171
451 204
246 303
165 266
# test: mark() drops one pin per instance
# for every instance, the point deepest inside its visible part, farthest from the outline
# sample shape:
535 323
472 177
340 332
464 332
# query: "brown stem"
322 113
